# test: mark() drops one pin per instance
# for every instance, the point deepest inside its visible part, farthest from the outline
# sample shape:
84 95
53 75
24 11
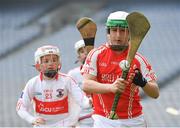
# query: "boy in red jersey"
102 73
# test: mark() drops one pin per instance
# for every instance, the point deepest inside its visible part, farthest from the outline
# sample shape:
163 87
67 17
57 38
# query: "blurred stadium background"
27 24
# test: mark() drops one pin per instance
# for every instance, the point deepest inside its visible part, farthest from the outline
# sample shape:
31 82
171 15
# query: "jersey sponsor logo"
109 78
44 109
51 108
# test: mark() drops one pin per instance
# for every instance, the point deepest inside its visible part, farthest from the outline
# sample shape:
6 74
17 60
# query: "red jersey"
104 64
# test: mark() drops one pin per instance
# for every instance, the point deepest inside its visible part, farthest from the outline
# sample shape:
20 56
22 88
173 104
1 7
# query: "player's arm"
77 94
149 87
29 118
23 106
90 85
23 112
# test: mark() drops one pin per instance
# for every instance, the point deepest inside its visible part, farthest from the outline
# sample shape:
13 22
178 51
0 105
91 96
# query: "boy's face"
49 62
82 53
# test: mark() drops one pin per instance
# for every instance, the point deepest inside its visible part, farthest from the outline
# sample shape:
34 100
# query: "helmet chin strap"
118 47
50 73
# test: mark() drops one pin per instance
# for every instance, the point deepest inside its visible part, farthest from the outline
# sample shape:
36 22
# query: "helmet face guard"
49 65
124 40
117 20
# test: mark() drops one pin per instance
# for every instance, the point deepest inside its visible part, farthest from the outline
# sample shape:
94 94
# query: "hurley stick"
87 28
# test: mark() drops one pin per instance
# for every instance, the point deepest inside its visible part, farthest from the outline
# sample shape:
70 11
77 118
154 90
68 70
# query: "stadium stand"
160 46
14 19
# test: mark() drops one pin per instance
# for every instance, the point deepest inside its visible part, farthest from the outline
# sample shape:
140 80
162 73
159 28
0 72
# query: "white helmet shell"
119 15
79 44
45 50
117 19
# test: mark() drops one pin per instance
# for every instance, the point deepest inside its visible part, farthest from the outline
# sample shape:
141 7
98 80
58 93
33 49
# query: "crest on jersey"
60 93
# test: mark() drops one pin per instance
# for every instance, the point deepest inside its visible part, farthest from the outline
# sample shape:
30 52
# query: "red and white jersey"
76 75
54 100
104 64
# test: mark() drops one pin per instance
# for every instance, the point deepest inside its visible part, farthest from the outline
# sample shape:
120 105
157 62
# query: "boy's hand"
139 80
39 121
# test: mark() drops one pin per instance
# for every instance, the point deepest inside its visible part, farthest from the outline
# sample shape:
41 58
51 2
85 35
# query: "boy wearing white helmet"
53 95
46 53
85 119
102 73
80 51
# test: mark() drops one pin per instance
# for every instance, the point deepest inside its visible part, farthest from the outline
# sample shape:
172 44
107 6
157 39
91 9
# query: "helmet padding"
45 50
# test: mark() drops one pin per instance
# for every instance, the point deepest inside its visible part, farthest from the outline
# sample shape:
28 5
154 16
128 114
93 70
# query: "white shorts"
103 122
86 120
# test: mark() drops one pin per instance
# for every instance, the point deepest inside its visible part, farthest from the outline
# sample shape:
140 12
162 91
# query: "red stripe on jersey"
19 104
51 108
